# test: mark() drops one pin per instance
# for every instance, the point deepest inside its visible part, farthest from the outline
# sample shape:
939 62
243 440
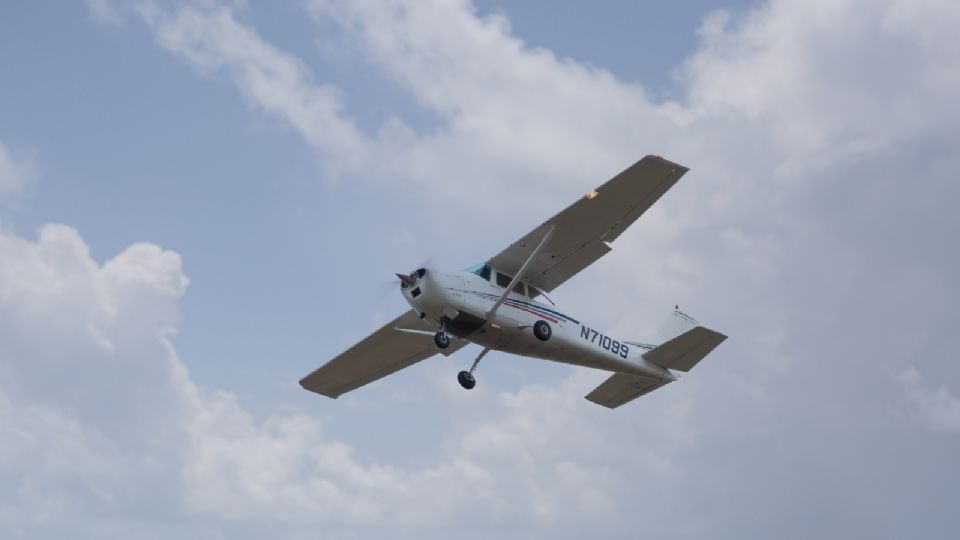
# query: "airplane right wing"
585 229
381 353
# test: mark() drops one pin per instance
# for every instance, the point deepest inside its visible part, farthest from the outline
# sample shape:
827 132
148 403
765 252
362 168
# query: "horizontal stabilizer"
621 388
684 351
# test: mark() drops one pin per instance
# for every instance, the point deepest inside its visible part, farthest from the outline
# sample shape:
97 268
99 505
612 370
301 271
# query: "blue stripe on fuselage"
524 303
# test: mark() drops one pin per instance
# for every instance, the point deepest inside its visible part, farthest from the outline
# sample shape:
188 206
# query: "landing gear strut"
465 378
441 338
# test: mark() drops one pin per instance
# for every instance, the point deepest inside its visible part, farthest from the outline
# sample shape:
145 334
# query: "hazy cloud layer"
816 228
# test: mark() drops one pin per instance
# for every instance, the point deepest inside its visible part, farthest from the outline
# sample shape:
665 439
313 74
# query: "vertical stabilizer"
679 324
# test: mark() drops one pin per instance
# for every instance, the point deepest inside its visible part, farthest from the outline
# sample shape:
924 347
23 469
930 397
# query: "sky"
202 201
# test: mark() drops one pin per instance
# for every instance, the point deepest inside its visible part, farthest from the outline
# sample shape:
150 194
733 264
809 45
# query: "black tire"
441 339
542 330
466 380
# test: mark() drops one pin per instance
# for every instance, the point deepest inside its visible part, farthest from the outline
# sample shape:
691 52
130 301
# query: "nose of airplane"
406 280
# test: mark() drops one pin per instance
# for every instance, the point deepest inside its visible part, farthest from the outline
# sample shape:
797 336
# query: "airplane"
497 304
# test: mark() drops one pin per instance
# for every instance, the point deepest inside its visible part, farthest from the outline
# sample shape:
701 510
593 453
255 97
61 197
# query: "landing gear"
442 338
466 380
542 330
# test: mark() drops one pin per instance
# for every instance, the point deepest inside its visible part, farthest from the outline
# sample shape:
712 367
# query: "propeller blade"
406 280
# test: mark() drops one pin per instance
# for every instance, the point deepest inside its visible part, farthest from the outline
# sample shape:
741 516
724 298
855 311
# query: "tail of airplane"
688 344
678 324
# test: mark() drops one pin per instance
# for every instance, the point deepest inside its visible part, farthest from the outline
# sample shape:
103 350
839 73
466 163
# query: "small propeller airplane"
496 304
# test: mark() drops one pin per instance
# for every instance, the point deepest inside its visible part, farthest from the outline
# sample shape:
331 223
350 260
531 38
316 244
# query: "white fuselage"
463 299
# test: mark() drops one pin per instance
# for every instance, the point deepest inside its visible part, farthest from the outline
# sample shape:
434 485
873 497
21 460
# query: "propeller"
389 286
407 280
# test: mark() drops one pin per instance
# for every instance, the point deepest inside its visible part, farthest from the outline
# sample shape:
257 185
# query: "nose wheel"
441 339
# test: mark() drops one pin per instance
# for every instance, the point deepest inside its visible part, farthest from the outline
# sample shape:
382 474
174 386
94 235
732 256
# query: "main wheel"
441 339
542 330
466 380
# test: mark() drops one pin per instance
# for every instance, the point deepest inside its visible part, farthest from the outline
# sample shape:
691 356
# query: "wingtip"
660 159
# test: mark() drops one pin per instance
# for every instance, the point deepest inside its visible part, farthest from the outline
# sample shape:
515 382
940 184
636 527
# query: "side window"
503 280
534 292
518 288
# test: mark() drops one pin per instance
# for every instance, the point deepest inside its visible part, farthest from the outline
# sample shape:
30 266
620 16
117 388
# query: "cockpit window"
534 292
482 270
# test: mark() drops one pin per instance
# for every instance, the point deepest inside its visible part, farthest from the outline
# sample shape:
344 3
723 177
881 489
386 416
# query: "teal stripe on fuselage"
646 346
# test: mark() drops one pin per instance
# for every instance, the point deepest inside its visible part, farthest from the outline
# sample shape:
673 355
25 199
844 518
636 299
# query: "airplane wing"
585 229
620 388
381 353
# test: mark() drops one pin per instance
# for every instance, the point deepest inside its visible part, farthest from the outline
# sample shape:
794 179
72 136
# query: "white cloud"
937 408
16 170
209 37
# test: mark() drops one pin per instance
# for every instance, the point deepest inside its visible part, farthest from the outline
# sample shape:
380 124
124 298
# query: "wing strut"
523 270
412 331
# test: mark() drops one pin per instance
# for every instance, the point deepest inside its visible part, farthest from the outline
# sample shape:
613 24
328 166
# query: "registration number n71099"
604 342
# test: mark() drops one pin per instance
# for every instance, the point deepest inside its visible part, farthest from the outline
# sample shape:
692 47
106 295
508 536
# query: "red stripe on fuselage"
551 319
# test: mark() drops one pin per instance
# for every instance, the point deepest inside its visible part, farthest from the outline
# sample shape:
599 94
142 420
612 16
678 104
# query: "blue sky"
200 202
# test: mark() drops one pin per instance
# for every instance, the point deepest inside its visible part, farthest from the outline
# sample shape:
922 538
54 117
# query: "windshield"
482 270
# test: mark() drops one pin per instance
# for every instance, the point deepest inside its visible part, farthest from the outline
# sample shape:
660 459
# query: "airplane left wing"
381 353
